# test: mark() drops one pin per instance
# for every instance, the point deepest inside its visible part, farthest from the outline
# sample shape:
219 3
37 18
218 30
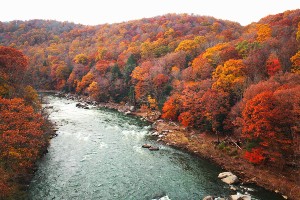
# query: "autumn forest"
211 75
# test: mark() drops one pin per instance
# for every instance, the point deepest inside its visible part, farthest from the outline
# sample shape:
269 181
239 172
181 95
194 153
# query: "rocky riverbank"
204 145
229 158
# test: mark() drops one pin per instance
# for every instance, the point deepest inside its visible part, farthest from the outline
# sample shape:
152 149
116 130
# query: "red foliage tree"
273 65
268 121
172 107
13 65
255 156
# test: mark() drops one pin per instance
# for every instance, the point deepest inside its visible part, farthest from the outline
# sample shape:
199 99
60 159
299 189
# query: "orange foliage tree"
141 75
85 82
21 135
94 90
172 108
263 32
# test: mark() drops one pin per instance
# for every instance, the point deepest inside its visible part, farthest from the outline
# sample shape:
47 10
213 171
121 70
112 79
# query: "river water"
97 155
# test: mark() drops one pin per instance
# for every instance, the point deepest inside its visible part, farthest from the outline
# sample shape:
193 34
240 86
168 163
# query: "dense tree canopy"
209 74
21 126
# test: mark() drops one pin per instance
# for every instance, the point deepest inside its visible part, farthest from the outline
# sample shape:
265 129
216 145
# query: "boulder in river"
224 174
233 188
128 113
240 197
154 148
208 198
146 146
228 177
164 198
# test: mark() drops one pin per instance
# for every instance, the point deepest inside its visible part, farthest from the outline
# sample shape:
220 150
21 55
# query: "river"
97 155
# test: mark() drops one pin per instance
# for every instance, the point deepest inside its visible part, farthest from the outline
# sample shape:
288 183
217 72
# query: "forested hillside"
213 75
23 130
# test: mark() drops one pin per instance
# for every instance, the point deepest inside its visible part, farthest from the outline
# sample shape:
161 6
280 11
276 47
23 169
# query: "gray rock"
132 108
230 179
165 198
155 133
224 174
233 188
240 197
208 198
127 113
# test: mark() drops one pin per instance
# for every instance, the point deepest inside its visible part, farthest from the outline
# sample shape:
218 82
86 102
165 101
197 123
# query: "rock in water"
224 174
127 113
240 197
162 198
228 178
165 198
146 145
208 198
154 148
233 188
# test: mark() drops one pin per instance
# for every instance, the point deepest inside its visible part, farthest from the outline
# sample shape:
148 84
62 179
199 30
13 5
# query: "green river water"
97 155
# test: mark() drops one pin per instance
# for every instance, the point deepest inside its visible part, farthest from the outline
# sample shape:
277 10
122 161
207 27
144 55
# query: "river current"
97 155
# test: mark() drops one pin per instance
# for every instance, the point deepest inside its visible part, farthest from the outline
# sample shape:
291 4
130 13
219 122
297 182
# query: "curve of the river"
97 155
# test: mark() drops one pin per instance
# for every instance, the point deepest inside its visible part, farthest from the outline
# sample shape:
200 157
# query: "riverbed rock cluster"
230 178
237 196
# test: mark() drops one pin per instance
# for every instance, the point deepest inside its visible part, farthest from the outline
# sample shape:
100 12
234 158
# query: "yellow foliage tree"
81 59
212 54
298 33
230 77
296 63
152 103
31 97
187 46
94 90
